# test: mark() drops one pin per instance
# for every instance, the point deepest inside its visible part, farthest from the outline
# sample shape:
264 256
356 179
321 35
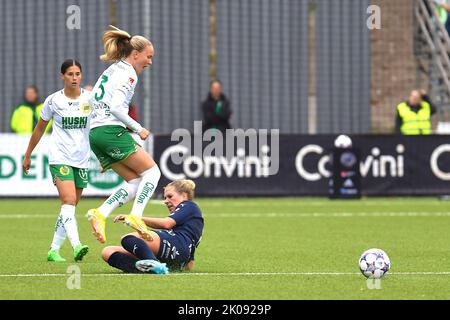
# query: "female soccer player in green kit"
109 138
68 153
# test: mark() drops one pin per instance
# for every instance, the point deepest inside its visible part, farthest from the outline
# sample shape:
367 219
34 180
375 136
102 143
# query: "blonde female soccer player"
173 245
68 154
109 138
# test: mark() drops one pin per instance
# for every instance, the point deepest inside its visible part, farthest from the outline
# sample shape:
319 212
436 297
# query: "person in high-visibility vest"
26 116
443 8
414 114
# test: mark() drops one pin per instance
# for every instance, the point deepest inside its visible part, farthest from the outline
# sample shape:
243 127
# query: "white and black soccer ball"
374 263
343 141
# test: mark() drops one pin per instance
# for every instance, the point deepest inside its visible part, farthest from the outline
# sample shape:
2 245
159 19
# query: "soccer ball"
374 263
343 141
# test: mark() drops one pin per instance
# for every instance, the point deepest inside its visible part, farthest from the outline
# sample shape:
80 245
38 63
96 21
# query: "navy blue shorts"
173 250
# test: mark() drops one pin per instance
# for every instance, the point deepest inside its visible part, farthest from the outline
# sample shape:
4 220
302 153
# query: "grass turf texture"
265 248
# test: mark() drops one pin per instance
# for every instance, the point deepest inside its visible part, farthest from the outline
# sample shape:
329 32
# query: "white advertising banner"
38 182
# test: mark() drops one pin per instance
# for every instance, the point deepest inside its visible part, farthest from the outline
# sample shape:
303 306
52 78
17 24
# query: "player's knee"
68 197
133 234
157 171
107 252
154 172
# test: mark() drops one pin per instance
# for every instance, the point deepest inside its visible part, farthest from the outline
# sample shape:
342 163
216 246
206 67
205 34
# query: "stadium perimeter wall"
280 165
267 56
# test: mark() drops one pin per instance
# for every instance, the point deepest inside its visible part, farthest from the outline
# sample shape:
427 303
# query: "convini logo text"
375 164
244 154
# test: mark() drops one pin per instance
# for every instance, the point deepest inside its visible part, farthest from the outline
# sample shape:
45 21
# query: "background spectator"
414 114
26 115
443 7
216 108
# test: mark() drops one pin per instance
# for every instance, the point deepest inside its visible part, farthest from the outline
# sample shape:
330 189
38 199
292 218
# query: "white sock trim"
68 208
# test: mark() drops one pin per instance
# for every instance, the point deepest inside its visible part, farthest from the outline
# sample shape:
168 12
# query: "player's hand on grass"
26 165
144 133
120 217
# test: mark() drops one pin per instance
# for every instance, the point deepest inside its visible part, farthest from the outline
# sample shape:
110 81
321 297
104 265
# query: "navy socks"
123 262
138 248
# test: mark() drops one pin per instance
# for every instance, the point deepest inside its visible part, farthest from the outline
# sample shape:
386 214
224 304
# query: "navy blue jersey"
189 221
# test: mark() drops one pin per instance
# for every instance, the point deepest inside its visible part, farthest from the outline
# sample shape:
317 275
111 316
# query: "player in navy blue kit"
173 245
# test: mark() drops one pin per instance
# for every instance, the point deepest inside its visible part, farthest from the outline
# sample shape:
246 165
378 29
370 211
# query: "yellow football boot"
137 224
98 224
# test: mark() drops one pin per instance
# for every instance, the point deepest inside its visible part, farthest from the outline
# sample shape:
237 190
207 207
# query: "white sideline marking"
274 215
327 214
299 204
219 274
28 216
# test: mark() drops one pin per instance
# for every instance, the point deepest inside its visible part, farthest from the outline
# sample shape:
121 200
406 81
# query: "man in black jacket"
216 109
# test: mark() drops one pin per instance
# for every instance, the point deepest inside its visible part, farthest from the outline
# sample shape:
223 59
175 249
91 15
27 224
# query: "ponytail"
118 44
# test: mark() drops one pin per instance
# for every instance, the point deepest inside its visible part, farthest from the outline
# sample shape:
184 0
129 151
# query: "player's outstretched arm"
156 223
159 223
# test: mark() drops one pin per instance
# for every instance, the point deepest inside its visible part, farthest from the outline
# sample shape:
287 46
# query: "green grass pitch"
252 248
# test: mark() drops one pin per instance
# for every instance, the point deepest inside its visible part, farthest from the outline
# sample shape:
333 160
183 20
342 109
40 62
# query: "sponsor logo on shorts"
83 174
64 170
115 153
169 251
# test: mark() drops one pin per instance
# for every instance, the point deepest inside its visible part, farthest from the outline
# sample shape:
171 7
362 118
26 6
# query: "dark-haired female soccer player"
173 245
68 153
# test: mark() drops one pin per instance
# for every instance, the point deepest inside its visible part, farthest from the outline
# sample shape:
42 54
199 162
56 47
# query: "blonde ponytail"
118 44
